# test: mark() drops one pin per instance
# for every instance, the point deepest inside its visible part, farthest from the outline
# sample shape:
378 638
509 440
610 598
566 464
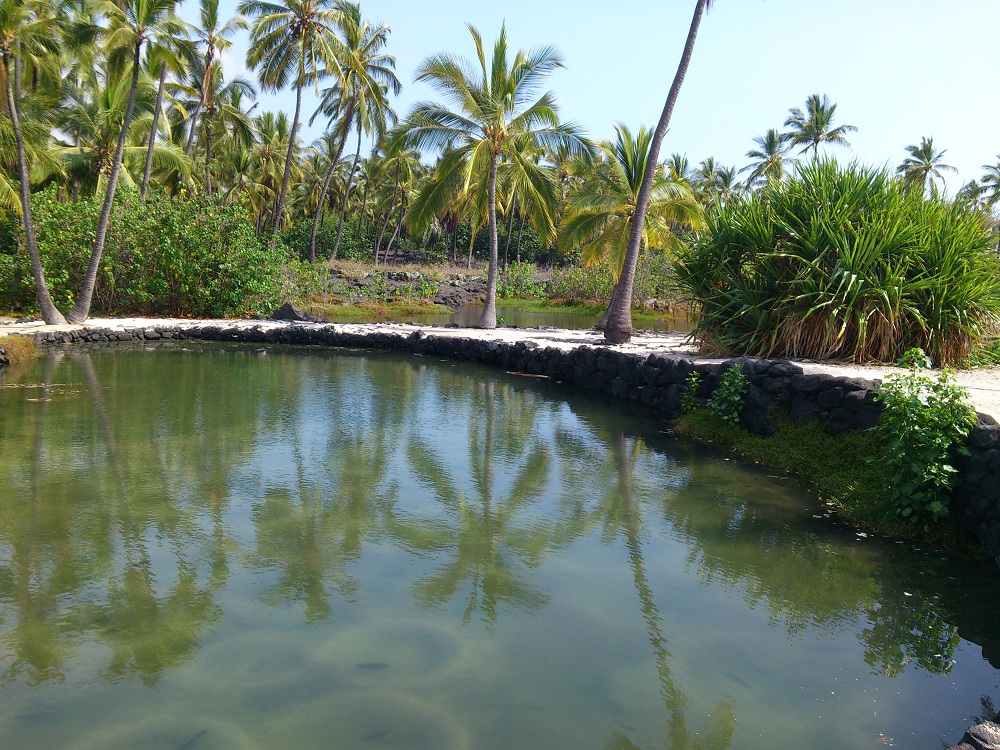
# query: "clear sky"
897 69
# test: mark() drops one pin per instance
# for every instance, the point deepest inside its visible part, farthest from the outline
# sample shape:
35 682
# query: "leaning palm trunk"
152 132
489 317
280 205
347 195
81 309
50 314
619 327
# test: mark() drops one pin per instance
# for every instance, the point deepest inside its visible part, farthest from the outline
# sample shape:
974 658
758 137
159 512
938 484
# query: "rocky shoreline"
649 371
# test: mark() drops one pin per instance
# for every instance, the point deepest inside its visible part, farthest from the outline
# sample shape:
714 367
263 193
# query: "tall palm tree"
222 105
619 327
359 99
815 125
22 35
494 110
292 40
923 166
599 215
132 24
172 53
770 158
215 39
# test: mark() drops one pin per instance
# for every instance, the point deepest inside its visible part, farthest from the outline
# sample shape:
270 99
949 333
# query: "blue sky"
898 69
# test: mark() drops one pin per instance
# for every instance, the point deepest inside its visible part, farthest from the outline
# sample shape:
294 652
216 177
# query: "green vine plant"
925 422
727 400
689 398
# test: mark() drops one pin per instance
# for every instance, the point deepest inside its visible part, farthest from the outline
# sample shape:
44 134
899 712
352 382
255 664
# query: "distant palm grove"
136 178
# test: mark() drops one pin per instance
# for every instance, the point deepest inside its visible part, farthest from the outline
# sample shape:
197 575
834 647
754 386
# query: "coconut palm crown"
598 218
493 110
815 125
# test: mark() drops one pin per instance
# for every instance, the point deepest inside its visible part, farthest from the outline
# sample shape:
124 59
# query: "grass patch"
18 348
846 472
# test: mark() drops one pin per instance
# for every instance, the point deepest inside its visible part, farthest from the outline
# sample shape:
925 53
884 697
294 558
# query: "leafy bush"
843 263
727 400
183 256
518 281
925 422
579 284
689 398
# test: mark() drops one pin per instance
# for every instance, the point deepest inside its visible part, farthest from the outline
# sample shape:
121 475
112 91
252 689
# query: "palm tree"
22 36
132 24
292 39
923 166
815 125
495 111
222 104
216 40
93 108
770 158
359 99
714 183
171 53
972 192
619 328
679 166
599 215
991 183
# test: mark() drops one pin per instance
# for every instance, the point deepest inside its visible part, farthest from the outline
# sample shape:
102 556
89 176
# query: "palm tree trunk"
81 309
193 123
321 208
388 216
472 245
279 207
510 231
152 133
208 159
206 76
361 215
619 328
50 314
489 317
520 232
347 195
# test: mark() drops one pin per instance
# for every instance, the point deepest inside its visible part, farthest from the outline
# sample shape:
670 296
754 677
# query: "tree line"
103 95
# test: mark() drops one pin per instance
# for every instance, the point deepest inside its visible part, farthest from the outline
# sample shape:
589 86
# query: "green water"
220 547
468 316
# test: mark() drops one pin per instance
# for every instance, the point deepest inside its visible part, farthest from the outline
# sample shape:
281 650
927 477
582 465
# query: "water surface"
226 547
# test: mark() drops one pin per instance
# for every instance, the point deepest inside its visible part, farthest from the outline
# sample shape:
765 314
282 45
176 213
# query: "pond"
467 316
207 546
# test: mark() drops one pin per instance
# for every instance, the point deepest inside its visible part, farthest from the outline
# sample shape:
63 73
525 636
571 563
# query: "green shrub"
579 284
689 398
843 263
925 422
183 256
727 400
518 281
